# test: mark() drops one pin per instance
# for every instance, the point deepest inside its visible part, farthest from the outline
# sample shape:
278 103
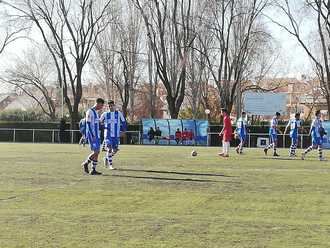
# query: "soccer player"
317 132
93 136
226 133
82 129
273 134
294 125
114 122
241 131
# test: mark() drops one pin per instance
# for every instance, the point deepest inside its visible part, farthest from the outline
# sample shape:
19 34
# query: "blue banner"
175 132
326 138
175 127
202 127
148 128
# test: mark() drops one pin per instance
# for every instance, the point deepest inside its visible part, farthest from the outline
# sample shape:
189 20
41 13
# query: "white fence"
53 136
283 140
132 137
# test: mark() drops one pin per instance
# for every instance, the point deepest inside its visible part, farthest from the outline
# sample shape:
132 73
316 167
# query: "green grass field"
161 197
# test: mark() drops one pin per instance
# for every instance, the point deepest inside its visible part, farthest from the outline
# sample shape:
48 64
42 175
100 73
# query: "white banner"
265 103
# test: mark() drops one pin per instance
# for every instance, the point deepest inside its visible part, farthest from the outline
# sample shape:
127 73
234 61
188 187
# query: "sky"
293 60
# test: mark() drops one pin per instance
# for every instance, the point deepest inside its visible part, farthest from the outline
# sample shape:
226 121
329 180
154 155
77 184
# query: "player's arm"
102 118
287 127
276 127
90 130
224 127
312 129
222 130
123 122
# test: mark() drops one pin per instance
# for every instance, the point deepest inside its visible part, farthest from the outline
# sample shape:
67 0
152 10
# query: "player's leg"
242 144
96 146
115 149
227 149
238 148
271 144
90 157
107 148
293 147
223 148
275 146
109 156
87 162
320 150
104 146
310 148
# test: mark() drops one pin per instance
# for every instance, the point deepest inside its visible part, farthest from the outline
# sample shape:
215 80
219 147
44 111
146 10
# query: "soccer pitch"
162 197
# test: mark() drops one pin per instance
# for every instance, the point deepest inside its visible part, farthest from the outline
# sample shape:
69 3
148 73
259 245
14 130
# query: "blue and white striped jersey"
294 125
241 126
113 122
315 128
93 123
273 126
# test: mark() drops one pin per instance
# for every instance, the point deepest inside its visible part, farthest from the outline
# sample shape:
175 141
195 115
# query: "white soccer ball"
194 153
207 111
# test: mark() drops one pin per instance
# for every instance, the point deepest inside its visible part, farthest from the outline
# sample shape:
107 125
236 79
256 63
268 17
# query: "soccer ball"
194 153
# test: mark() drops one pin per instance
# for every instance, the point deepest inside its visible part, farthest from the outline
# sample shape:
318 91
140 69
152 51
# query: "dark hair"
224 110
297 114
243 113
100 100
111 102
278 114
317 112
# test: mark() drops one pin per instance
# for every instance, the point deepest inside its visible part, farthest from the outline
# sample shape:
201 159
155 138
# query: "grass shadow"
165 178
175 173
280 158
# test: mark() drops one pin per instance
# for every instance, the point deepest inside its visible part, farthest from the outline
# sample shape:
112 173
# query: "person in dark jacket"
151 134
158 135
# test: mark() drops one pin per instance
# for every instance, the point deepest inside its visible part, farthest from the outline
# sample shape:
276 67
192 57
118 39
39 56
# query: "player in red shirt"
226 133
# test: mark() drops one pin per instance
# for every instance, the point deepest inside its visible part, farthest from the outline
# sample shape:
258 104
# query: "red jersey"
190 135
227 128
178 135
184 135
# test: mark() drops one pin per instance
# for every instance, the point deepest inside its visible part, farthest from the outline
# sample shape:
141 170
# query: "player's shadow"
280 158
175 173
171 179
167 178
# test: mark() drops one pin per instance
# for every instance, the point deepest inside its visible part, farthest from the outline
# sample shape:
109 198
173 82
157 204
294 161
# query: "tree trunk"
174 112
124 108
328 105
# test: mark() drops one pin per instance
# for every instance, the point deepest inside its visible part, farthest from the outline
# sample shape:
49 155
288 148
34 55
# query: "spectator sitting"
158 135
184 136
190 136
151 134
178 135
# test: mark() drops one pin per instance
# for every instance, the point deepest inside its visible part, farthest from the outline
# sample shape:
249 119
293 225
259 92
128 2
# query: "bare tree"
168 25
320 11
32 74
118 50
69 29
198 76
235 29
153 82
10 30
